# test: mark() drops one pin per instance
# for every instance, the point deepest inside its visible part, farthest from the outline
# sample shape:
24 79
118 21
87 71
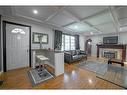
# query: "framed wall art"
40 38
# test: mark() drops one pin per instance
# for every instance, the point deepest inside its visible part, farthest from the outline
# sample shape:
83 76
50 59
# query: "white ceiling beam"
63 28
76 19
98 30
69 24
58 10
114 18
72 16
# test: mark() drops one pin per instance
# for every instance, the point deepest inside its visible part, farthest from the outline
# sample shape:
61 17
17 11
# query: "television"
110 40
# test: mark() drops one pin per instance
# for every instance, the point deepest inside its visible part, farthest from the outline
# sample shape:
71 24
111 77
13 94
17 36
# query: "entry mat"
38 77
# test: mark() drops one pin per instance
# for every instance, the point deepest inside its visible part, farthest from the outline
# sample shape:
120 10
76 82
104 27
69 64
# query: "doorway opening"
88 46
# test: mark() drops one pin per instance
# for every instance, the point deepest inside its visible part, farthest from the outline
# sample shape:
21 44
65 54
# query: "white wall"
122 38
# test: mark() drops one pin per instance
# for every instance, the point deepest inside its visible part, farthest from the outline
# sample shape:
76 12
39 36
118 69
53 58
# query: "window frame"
70 45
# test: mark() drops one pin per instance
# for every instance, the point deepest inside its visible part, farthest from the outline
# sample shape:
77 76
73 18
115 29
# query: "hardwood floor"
73 78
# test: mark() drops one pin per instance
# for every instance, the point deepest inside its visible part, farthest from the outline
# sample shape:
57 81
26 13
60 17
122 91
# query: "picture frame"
36 38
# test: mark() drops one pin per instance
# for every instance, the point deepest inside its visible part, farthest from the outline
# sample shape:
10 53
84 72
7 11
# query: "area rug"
38 77
108 72
116 75
94 66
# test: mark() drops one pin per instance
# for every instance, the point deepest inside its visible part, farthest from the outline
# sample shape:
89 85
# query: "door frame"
4 42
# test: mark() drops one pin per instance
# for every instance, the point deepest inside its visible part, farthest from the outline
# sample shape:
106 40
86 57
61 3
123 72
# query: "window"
68 42
18 30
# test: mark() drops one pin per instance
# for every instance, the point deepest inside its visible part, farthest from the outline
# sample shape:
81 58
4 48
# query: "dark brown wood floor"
73 78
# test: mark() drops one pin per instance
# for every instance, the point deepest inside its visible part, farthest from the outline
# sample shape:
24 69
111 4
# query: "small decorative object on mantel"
37 36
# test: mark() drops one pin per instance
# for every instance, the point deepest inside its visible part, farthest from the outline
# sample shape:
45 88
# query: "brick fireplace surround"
112 46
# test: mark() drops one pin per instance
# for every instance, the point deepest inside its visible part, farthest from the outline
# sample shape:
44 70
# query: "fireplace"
121 50
110 54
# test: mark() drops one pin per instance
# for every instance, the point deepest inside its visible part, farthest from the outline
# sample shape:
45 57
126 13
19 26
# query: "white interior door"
17 46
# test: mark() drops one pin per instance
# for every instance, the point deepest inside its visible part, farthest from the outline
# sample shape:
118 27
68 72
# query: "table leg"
122 64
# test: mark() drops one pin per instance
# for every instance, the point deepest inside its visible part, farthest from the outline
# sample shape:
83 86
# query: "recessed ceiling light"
89 43
75 26
91 33
35 11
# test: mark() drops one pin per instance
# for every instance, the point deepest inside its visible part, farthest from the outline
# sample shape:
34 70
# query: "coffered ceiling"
86 20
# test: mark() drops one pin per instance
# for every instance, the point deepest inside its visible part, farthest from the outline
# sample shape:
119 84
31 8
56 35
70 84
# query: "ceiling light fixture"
35 11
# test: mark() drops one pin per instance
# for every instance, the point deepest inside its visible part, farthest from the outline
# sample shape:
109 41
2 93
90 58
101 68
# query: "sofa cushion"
77 52
83 55
75 57
82 52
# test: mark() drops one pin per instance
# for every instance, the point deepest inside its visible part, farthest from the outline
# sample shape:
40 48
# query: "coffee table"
110 61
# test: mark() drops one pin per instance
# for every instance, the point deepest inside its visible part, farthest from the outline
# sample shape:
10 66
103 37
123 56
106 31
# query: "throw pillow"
77 52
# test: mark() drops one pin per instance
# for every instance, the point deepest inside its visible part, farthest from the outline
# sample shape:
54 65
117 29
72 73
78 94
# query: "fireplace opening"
110 54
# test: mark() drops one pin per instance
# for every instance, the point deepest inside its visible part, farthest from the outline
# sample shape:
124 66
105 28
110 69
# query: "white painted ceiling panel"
102 18
61 19
80 27
123 22
122 12
85 11
107 28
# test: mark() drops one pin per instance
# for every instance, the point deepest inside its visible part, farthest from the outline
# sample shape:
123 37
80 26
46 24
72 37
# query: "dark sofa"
74 55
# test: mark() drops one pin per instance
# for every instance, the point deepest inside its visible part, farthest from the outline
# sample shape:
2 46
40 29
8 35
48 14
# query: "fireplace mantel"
113 46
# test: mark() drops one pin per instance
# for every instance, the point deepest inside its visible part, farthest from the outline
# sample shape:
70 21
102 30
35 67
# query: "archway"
88 46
